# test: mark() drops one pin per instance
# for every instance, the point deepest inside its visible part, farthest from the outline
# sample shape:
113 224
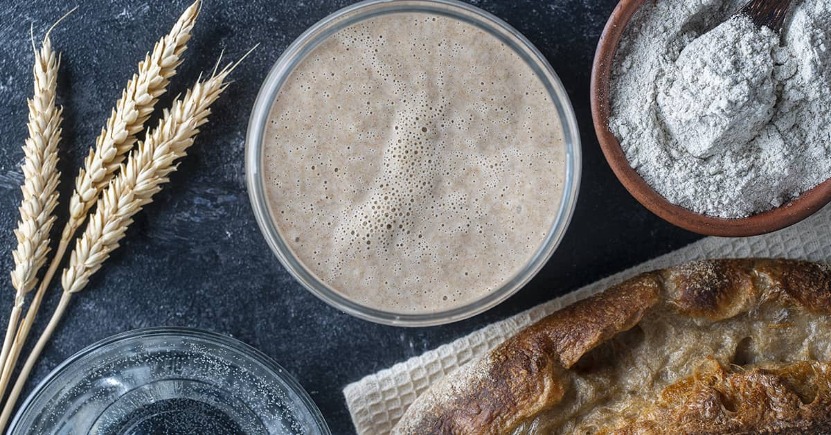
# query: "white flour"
722 92
719 117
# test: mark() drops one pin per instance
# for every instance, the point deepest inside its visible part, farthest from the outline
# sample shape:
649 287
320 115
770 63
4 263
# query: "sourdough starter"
414 163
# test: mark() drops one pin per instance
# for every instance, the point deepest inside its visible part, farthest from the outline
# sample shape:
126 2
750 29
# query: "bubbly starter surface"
414 163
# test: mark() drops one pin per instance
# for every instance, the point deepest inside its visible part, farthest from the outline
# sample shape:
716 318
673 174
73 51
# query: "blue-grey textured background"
196 257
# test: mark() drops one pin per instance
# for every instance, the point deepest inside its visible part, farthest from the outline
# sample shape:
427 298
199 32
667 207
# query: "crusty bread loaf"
720 346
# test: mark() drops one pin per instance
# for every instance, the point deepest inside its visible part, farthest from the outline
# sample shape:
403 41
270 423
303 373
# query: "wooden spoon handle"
768 13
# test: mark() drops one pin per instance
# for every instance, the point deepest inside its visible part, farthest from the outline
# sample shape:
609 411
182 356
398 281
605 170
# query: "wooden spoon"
767 13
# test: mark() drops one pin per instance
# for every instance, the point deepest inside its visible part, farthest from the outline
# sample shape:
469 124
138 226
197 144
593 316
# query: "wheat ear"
141 177
117 138
128 118
40 184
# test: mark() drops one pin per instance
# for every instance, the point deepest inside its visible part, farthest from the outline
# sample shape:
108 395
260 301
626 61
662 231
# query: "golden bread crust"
792 398
536 379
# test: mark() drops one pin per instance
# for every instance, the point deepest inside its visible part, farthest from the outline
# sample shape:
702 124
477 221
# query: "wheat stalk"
141 177
117 138
40 184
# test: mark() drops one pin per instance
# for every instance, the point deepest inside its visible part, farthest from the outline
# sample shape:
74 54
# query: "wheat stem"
14 317
115 141
28 321
40 185
30 362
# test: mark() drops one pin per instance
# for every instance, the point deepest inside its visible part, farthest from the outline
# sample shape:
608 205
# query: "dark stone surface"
196 257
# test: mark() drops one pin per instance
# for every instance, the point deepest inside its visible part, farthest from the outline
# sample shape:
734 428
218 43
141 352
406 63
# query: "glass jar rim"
361 11
41 395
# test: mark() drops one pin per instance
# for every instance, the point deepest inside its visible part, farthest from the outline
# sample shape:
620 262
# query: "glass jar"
349 16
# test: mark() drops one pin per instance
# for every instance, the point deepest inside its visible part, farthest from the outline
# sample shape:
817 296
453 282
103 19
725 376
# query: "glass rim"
350 15
248 352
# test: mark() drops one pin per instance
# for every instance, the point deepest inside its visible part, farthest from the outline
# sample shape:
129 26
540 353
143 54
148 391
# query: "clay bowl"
786 215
